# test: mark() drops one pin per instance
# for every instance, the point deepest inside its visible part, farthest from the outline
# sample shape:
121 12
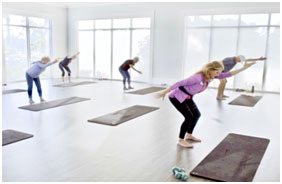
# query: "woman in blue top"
32 74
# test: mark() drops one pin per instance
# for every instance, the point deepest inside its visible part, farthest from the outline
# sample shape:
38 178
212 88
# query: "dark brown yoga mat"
123 115
52 104
11 136
146 90
235 159
71 84
9 91
246 100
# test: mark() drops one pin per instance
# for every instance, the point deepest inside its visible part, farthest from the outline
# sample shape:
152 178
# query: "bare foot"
225 96
184 144
220 98
192 138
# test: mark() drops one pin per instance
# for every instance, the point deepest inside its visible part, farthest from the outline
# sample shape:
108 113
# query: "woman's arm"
131 66
256 59
247 65
163 93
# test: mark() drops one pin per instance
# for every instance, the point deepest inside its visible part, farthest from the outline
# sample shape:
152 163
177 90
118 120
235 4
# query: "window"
115 41
214 37
25 40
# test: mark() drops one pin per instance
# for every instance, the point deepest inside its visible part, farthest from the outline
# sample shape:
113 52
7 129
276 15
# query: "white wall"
59 24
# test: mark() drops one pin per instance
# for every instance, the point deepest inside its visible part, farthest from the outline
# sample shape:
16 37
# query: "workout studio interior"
140 91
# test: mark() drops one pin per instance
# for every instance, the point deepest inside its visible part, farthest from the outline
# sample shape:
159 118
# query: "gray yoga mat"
11 136
9 91
54 103
71 84
146 90
123 115
246 100
235 159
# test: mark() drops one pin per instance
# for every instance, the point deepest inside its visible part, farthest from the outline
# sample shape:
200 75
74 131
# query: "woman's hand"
160 95
56 60
163 93
262 58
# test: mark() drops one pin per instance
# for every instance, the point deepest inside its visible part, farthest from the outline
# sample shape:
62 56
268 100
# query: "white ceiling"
74 4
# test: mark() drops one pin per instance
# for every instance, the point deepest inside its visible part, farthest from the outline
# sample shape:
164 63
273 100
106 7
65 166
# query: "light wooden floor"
65 147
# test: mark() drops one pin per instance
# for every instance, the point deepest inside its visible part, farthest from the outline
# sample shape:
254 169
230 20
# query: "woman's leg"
221 88
69 72
128 79
122 72
63 72
39 90
184 109
29 81
196 116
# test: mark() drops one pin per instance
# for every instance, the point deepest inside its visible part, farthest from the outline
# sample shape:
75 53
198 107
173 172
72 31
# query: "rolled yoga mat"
52 104
246 100
11 136
146 90
9 91
123 115
235 159
71 84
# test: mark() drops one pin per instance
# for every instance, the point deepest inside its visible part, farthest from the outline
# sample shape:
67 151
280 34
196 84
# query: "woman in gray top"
229 63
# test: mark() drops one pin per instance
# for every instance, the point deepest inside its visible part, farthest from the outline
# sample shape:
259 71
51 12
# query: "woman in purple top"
64 65
32 74
182 92
229 63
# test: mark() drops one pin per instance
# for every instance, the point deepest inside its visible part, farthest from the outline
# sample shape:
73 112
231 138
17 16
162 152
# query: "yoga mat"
52 104
235 159
71 84
123 115
9 91
11 136
146 90
246 100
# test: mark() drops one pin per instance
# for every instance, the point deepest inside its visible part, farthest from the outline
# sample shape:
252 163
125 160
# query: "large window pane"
120 50
85 24
103 54
225 20
272 78
197 50
17 20
38 22
204 20
224 41
103 24
141 22
15 49
252 44
39 46
121 23
141 49
86 54
254 19
275 19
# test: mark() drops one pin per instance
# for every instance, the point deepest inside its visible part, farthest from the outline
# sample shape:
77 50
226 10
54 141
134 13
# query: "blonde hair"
212 66
45 59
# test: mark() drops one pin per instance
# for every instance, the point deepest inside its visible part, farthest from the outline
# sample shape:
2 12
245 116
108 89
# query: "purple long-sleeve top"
193 85
37 68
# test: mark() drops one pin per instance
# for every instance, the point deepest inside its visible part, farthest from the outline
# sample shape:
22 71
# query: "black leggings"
190 112
61 66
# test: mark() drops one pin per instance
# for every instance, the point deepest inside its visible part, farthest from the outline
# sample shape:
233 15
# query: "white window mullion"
266 49
28 43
